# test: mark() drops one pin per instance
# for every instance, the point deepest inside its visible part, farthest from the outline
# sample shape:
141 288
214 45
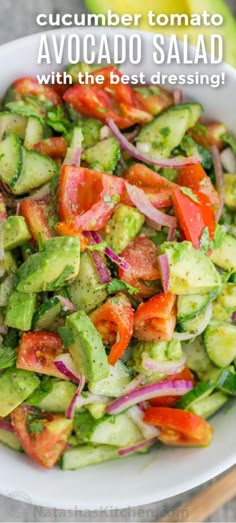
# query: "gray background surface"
18 19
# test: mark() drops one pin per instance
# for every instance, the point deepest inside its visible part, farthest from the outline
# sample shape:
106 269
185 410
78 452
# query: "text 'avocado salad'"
117 270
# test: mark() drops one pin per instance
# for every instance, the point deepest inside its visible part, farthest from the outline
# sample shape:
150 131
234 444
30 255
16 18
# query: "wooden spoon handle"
202 505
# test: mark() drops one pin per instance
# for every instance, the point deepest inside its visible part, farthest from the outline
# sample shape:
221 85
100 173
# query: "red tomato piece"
179 428
36 217
37 352
156 187
194 177
43 436
87 198
141 255
3 209
30 86
55 147
155 319
168 401
155 103
209 136
193 217
114 321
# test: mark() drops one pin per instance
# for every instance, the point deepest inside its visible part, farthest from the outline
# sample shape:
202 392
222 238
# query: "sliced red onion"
41 193
131 135
171 235
184 336
77 156
234 316
134 448
136 415
153 390
72 405
219 175
104 133
135 383
143 405
18 209
165 271
89 398
109 252
228 160
176 162
153 225
177 96
101 267
143 204
73 156
6 425
66 303
165 367
66 366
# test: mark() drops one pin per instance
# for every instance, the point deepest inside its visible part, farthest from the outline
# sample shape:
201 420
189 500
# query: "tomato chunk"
87 198
114 321
156 187
30 86
210 135
154 99
155 319
36 216
43 436
194 216
194 177
178 427
168 401
55 147
141 255
37 352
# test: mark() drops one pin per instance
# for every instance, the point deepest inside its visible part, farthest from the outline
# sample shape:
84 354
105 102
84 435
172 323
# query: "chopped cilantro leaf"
35 424
188 192
62 279
24 109
7 357
206 243
118 286
230 140
100 247
165 131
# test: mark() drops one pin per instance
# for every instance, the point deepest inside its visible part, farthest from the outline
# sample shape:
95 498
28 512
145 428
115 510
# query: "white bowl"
165 472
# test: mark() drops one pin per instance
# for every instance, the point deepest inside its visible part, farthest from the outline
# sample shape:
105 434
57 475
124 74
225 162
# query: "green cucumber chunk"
49 315
123 227
34 132
119 430
16 385
86 347
20 310
11 159
188 306
57 400
219 340
36 171
103 156
85 455
207 407
12 123
200 392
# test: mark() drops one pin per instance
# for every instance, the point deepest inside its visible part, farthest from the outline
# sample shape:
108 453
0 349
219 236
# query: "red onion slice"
134 448
98 259
171 235
40 194
143 204
73 156
164 270
165 367
135 413
66 303
153 390
72 405
135 383
176 162
6 425
219 178
109 252
234 316
89 398
177 96
66 366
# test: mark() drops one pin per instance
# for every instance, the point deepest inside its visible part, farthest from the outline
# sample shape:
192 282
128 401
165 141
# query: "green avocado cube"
20 310
15 232
124 226
16 385
86 347
52 268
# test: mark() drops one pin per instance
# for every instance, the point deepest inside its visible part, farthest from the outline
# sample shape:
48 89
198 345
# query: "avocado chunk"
16 385
15 232
8 264
56 399
86 347
230 191
20 310
124 226
191 271
225 256
51 268
114 385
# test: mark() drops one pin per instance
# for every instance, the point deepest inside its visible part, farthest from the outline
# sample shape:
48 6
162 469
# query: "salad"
117 270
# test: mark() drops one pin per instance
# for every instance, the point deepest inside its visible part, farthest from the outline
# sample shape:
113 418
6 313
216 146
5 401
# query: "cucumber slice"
209 406
12 123
200 392
188 306
165 132
11 159
197 324
37 170
119 430
86 455
226 382
34 132
103 156
114 384
49 315
219 340
83 291
197 359
10 439
58 399
196 111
